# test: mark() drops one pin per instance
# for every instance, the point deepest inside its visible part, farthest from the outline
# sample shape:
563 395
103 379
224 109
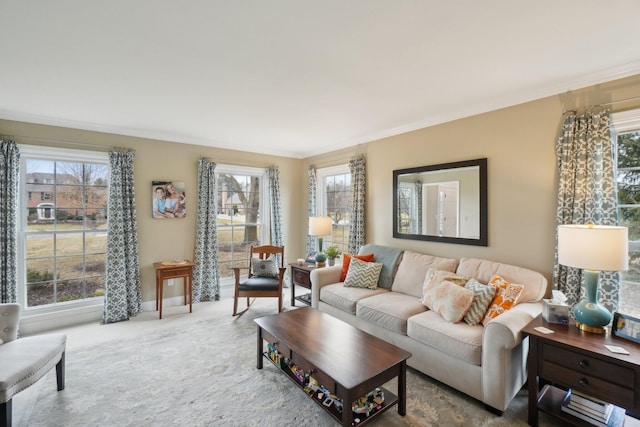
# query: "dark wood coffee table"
345 360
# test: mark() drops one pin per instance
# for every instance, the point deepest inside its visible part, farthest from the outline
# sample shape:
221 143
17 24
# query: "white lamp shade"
320 226
593 247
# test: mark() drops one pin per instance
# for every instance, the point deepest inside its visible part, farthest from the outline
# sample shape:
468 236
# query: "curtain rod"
82 144
635 98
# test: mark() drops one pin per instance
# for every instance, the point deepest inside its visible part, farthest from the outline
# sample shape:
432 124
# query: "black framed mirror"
442 203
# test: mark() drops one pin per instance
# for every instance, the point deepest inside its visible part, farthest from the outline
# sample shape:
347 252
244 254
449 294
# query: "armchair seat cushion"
26 360
256 283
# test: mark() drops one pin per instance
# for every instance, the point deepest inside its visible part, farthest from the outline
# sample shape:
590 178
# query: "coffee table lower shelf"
390 399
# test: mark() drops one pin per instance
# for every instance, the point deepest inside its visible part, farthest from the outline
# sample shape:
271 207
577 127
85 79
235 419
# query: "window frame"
264 212
624 122
321 199
90 306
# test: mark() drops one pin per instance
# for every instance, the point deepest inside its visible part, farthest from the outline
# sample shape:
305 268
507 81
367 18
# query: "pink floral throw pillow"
449 300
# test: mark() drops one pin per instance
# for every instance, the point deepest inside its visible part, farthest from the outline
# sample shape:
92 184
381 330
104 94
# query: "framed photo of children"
168 199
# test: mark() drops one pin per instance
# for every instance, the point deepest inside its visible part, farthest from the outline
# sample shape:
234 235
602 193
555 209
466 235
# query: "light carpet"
204 374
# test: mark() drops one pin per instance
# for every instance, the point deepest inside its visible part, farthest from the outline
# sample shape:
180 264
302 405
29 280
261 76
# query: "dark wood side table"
174 270
571 358
301 276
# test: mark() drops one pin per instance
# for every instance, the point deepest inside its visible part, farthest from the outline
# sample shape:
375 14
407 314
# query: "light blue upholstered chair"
23 361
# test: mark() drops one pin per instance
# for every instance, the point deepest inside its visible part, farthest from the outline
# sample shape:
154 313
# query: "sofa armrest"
321 277
504 354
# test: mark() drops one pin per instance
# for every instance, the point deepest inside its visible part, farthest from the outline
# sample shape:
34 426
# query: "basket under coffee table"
346 361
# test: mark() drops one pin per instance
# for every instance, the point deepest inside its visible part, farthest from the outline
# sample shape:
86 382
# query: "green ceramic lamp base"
590 315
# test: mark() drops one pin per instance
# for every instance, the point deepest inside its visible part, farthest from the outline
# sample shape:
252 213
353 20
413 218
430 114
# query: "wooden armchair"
265 278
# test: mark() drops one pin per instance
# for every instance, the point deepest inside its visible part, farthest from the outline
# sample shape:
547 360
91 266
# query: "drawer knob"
584 363
583 382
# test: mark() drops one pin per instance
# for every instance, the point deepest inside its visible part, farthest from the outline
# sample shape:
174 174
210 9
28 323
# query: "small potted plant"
332 253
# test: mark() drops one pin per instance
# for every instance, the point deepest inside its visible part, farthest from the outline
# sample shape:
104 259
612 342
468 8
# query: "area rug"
205 375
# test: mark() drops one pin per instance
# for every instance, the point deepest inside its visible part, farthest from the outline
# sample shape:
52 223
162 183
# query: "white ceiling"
299 77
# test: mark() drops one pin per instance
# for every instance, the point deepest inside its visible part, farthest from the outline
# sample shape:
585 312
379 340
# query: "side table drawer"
177 272
302 278
590 366
590 385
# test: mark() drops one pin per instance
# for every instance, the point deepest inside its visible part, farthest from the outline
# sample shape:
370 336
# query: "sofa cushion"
363 274
346 261
535 284
412 269
459 340
345 298
482 297
389 257
507 295
449 300
390 310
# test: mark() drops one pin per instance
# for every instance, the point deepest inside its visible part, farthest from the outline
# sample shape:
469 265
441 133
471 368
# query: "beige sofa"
486 362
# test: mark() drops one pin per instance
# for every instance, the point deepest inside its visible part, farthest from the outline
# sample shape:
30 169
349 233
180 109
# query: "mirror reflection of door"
440 209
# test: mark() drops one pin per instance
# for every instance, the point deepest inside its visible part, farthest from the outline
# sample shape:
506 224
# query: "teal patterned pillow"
265 267
482 297
362 274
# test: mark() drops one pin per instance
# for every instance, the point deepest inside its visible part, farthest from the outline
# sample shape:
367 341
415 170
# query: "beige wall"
518 142
160 160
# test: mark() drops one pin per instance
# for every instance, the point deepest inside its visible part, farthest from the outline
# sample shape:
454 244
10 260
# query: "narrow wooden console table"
174 270
347 361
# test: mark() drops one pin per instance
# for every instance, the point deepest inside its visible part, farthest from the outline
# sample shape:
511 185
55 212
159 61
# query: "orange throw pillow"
346 260
507 295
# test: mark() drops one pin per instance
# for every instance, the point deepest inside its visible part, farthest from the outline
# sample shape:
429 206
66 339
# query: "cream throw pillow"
449 300
435 276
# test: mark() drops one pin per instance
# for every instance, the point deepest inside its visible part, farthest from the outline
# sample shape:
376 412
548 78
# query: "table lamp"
320 226
593 248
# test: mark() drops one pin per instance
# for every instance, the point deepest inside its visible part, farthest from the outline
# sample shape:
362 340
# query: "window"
626 126
334 200
242 220
63 234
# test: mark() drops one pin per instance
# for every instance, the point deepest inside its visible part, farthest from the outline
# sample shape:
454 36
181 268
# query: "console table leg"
259 361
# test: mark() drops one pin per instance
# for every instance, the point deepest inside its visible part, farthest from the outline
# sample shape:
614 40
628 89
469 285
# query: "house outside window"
626 133
334 199
62 236
242 216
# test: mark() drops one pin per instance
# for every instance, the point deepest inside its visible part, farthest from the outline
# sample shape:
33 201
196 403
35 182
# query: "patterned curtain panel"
206 275
9 169
586 192
123 294
277 238
312 208
356 211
